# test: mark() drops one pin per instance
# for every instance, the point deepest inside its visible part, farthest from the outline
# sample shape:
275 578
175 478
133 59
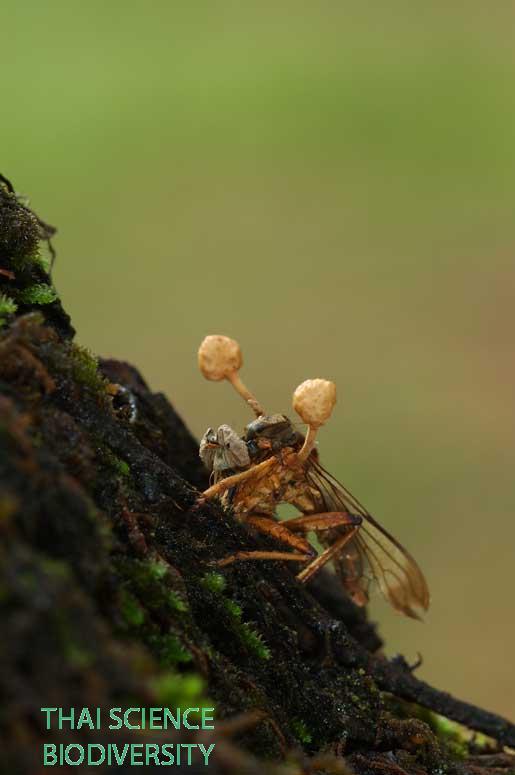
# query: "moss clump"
174 690
158 570
176 602
455 737
214 582
147 579
84 368
7 307
148 608
42 260
19 229
169 649
122 467
131 610
108 459
250 637
26 262
301 731
113 461
39 293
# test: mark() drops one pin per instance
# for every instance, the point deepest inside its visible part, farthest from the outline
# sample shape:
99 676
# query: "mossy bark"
108 594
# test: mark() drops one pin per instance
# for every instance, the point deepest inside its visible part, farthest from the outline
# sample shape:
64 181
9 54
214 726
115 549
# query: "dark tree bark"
108 594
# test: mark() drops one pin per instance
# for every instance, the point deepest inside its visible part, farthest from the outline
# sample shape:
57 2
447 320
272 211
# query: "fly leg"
326 556
304 551
280 532
347 525
326 521
220 487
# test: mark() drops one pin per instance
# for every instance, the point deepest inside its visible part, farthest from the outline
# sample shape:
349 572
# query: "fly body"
273 463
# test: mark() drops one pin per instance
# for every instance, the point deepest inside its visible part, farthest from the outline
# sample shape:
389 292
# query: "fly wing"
372 551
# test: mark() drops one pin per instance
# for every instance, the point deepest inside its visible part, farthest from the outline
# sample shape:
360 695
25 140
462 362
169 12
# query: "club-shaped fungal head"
219 357
314 401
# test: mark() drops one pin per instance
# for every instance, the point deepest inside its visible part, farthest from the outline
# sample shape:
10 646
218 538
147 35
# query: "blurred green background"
332 184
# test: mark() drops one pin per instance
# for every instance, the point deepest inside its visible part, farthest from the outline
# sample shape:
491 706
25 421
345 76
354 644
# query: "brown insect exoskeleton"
273 463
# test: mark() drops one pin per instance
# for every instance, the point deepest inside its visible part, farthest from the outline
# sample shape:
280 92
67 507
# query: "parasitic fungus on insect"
220 357
314 401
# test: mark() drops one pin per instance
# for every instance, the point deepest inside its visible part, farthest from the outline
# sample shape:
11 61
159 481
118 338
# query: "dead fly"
273 463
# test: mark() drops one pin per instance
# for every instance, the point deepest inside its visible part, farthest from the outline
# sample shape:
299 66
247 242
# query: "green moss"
452 734
250 637
214 582
157 569
39 293
108 459
301 731
44 260
147 591
181 691
35 256
176 602
123 467
169 649
84 367
254 641
118 464
7 307
234 609
149 581
131 610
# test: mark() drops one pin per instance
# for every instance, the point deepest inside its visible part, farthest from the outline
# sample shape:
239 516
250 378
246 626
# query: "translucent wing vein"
373 554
